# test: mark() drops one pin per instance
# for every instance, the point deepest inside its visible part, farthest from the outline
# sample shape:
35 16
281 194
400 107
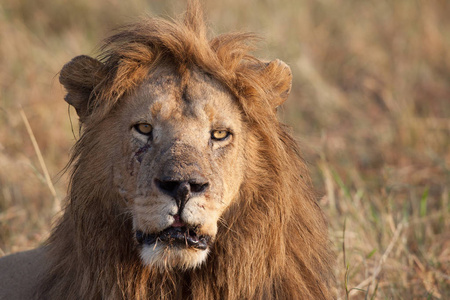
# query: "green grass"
370 106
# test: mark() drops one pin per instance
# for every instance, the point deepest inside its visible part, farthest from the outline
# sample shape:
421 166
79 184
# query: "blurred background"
370 107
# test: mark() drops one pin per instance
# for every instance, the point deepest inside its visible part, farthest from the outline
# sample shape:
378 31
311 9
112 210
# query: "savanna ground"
370 107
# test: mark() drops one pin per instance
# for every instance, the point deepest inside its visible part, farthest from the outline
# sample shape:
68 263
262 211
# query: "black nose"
182 190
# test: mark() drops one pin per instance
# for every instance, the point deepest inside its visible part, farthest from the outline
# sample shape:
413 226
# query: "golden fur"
272 241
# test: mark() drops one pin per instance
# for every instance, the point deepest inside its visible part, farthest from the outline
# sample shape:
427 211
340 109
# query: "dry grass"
370 105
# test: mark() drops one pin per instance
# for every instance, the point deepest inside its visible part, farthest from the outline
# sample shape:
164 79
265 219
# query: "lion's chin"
175 247
165 257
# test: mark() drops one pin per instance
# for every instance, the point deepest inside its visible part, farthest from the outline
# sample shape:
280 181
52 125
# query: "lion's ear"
279 77
79 77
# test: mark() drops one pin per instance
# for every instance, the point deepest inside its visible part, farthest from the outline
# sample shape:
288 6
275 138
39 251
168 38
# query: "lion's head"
178 143
184 181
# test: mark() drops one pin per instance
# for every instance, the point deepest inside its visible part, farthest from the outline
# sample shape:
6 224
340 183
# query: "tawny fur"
272 241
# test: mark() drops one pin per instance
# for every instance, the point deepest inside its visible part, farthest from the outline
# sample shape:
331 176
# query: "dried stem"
56 202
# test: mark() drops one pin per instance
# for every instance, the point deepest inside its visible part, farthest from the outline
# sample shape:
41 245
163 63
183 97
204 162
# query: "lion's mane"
272 242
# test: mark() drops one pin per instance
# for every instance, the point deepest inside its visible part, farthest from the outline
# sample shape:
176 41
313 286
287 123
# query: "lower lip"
174 237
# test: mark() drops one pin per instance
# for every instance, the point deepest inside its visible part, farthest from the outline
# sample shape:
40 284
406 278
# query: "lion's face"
177 145
179 164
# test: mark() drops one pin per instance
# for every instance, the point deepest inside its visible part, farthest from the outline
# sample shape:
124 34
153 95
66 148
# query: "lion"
184 183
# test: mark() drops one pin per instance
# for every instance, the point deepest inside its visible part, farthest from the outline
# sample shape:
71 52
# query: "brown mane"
272 243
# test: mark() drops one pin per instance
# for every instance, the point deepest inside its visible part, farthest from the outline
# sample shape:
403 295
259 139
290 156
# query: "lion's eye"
220 135
143 128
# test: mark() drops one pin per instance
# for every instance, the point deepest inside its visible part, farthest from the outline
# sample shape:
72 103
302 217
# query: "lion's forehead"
167 99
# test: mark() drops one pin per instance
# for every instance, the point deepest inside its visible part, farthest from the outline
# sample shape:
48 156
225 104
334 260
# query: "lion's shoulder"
20 273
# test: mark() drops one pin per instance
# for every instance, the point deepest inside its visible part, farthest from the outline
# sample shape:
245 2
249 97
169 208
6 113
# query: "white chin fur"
165 257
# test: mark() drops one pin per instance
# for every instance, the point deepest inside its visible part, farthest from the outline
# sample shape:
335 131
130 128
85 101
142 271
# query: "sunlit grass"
369 105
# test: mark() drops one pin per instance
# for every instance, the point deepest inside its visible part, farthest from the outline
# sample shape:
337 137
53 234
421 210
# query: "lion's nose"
182 190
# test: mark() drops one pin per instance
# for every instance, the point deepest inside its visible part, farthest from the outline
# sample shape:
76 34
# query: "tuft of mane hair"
271 244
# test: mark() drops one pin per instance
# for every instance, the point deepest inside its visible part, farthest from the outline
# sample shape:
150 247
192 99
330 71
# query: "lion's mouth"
175 236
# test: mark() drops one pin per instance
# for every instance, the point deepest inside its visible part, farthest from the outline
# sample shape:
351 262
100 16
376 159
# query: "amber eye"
220 135
143 128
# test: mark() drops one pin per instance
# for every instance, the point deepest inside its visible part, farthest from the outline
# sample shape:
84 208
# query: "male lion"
184 183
